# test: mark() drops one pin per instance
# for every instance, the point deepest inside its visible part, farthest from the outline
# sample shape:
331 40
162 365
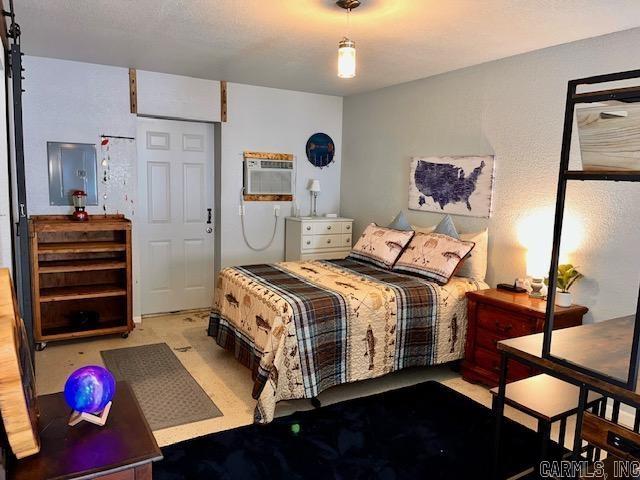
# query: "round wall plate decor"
320 150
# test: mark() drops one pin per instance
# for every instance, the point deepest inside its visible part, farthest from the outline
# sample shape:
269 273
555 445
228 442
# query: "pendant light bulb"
347 47
346 58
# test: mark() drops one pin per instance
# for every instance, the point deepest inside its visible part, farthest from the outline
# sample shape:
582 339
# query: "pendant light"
347 47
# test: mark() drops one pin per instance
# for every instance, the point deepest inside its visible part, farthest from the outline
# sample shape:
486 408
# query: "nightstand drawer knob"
308 227
329 241
308 242
328 227
348 227
503 328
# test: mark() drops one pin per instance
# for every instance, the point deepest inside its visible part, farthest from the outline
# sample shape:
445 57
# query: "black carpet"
426 431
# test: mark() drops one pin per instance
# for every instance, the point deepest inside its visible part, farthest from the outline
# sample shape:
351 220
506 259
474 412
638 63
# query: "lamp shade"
537 263
314 186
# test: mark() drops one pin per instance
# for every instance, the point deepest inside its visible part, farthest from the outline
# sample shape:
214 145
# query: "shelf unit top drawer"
597 431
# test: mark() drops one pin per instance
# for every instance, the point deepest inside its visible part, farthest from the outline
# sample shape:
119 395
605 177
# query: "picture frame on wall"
457 185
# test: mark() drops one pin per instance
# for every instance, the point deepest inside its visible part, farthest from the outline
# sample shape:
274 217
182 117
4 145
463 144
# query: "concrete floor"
226 381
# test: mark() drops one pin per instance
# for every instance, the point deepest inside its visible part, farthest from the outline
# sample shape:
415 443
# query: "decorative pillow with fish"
433 256
380 245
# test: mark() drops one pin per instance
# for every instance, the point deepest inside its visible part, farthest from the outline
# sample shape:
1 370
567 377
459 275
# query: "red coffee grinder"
79 203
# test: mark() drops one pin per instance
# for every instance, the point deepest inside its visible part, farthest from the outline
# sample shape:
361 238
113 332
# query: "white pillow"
475 265
418 229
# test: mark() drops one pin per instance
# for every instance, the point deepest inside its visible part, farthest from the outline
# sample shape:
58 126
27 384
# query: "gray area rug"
167 393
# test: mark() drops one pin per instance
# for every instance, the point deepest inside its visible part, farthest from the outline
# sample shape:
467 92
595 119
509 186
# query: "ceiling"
292 44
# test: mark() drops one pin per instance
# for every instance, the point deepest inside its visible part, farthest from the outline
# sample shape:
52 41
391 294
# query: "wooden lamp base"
100 420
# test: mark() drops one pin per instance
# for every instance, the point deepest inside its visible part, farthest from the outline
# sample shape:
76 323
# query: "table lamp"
79 198
537 269
89 391
314 188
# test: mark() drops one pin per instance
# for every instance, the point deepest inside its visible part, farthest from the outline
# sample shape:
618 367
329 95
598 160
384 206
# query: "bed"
303 327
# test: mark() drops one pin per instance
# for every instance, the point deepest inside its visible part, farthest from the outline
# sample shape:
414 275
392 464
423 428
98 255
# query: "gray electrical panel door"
72 166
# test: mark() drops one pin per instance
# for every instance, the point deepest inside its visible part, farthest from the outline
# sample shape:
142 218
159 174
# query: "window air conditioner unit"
268 177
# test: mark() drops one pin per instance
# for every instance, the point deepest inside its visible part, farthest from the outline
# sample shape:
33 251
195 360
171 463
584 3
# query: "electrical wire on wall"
244 233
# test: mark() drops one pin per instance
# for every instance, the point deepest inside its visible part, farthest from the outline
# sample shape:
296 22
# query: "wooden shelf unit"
80 267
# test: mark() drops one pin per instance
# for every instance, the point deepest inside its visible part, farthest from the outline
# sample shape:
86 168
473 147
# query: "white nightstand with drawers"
317 238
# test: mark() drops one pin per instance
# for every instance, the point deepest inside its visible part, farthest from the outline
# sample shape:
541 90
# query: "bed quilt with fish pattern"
303 327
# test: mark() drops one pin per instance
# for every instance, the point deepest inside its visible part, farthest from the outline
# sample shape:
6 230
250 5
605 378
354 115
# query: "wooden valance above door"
176 97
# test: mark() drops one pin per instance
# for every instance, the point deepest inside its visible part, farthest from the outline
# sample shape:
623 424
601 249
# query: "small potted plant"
567 276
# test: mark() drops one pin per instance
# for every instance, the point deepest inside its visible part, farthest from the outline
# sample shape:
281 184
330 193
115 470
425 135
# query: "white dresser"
317 238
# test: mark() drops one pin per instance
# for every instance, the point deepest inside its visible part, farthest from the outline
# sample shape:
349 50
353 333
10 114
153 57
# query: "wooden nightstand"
495 315
121 450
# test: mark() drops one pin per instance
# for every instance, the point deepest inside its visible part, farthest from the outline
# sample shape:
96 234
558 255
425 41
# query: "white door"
175 165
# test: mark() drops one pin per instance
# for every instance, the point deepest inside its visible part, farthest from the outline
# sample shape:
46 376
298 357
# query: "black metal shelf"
603 175
625 94
608 383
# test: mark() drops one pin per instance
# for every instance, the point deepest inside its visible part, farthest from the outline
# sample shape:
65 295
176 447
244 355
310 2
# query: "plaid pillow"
380 246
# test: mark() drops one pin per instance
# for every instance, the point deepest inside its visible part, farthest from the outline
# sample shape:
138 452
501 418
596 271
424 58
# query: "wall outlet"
241 210
276 210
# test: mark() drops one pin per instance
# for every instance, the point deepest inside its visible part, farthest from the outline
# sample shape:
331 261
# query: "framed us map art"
453 185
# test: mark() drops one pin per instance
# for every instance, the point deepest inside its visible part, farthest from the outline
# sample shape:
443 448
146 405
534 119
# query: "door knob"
209 229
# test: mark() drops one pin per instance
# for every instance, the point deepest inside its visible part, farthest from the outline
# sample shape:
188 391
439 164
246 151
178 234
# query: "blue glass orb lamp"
89 391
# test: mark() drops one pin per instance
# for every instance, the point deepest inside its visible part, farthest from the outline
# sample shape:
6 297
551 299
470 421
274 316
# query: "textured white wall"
514 109
272 120
77 102
73 102
69 102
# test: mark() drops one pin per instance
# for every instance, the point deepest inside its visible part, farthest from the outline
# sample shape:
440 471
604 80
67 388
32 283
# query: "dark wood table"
604 347
121 450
